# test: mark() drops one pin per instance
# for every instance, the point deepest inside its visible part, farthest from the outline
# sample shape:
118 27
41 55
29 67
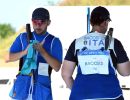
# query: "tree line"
93 2
6 30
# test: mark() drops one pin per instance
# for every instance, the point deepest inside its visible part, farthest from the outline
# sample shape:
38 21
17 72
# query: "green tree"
6 30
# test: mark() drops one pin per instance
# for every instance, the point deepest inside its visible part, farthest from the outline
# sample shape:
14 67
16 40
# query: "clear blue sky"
17 12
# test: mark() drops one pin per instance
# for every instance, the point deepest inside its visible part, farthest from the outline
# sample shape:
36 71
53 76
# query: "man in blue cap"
49 53
96 77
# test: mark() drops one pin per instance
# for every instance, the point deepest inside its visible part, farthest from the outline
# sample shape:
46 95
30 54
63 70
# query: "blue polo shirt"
21 43
52 45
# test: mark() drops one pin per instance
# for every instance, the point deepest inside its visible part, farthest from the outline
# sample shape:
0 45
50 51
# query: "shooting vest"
48 47
96 73
92 45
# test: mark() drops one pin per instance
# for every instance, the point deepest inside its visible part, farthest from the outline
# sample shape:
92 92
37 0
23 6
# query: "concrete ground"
126 94
60 92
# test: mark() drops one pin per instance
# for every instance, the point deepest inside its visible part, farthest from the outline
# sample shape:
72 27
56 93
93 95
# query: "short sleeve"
57 51
120 52
71 55
16 45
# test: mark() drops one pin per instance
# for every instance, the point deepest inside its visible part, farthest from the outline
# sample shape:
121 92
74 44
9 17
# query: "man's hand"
38 47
